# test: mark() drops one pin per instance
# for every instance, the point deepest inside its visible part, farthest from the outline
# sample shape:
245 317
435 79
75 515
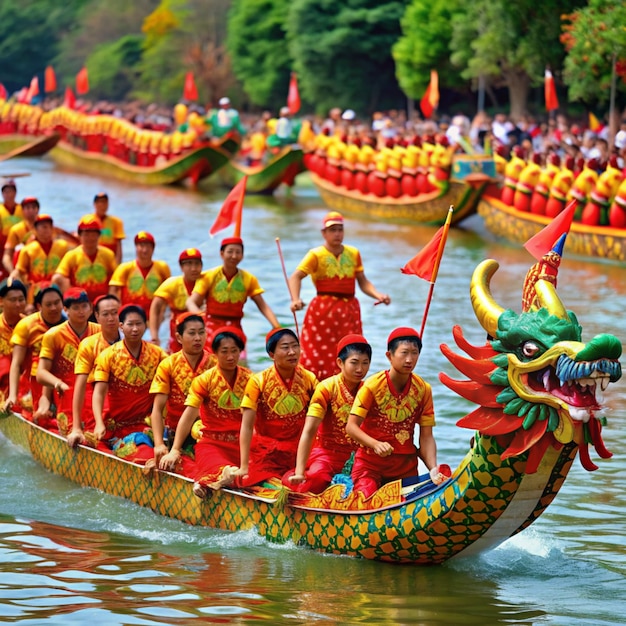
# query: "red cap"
332 218
43 217
190 254
89 222
74 295
142 236
350 339
231 241
235 330
403 331
30 200
186 315
272 338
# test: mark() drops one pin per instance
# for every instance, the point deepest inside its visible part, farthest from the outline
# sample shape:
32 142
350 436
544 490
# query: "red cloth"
322 466
370 471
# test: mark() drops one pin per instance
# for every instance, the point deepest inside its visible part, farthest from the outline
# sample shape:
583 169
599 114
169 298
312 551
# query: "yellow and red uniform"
225 297
334 312
6 350
219 405
139 284
390 416
92 274
173 378
280 414
88 351
8 219
37 262
331 404
129 399
60 346
28 333
112 230
175 291
20 233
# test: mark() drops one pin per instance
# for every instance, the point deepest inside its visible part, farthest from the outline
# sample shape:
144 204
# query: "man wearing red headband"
135 282
172 381
112 233
173 293
334 312
327 416
59 345
383 418
225 290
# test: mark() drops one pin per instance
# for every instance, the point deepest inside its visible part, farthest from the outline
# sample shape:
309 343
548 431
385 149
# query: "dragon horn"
549 299
487 310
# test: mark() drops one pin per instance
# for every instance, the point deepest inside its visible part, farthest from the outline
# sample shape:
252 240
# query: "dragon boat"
282 168
17 145
469 175
539 390
593 241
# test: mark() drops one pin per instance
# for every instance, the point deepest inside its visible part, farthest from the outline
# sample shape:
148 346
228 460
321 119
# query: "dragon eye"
530 349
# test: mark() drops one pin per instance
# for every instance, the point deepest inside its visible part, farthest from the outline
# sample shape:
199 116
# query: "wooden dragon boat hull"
485 502
12 146
469 177
601 242
195 165
264 179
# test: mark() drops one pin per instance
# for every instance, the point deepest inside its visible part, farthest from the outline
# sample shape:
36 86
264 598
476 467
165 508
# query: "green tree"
425 45
342 52
595 39
257 44
510 43
30 32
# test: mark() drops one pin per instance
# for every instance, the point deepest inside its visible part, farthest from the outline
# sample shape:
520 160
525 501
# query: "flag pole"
433 278
239 215
282 262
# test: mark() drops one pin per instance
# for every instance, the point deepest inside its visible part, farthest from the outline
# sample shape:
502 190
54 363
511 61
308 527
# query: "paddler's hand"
159 452
440 473
9 404
383 298
170 460
296 305
383 448
75 437
100 431
297 479
61 387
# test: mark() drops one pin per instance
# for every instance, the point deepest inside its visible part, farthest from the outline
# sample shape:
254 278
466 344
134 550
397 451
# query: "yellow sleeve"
253 391
161 383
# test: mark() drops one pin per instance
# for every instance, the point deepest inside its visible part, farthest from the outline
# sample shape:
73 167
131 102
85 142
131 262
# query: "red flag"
293 96
424 262
430 99
552 102
231 210
3 92
69 100
82 82
541 243
33 89
50 80
190 91
22 95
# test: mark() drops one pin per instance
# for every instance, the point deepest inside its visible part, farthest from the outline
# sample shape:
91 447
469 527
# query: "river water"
75 556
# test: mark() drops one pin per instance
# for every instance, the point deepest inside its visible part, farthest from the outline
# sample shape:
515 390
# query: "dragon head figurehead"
536 382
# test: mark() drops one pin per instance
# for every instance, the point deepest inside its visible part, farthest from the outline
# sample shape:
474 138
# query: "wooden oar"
11 176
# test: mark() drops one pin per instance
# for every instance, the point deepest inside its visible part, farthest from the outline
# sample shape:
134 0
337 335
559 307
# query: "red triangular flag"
423 264
3 92
82 82
231 209
50 80
541 243
293 96
552 102
430 99
22 95
69 100
190 91
33 89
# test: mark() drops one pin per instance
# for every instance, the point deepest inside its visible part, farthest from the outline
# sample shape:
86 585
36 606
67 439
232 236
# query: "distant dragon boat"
538 388
18 145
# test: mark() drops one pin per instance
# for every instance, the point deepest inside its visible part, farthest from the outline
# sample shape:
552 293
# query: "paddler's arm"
116 291
194 302
354 430
42 410
7 259
187 420
295 284
17 360
46 378
61 281
157 315
305 445
100 391
78 402
156 419
266 310
368 289
248 417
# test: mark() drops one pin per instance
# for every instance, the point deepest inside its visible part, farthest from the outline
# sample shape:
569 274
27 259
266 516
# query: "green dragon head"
536 382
